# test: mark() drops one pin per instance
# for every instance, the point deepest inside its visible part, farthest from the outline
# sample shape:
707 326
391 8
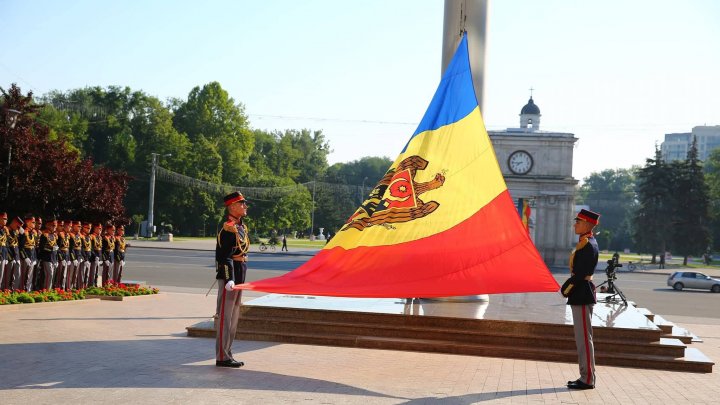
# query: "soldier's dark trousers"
92 277
582 325
107 272
14 275
228 314
27 276
118 267
60 273
71 276
3 264
48 269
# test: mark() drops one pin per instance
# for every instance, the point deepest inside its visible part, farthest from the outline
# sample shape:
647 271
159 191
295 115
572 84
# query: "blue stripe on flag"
455 97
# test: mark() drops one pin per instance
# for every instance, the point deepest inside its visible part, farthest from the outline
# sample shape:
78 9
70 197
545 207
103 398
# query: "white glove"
28 261
106 262
229 286
75 263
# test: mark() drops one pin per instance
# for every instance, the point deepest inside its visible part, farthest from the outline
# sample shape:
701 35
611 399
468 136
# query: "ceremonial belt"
239 258
121 250
64 249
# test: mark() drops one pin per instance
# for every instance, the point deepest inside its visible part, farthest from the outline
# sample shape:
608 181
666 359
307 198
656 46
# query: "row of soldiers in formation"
62 254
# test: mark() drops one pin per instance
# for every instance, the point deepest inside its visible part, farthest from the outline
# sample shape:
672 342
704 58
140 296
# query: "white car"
691 279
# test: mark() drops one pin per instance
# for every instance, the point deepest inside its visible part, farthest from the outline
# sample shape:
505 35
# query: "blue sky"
617 74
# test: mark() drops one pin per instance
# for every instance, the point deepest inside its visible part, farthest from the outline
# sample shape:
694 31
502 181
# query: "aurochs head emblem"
396 197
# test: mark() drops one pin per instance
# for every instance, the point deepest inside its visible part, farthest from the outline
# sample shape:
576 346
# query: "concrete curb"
210 250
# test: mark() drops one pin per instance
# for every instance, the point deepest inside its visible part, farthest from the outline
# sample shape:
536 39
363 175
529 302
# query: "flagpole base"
463 298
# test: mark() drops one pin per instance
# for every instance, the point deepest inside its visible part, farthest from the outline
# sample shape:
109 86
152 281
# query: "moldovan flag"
524 208
440 223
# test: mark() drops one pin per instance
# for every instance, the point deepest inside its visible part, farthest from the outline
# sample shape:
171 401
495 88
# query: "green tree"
690 232
611 192
652 222
712 176
211 113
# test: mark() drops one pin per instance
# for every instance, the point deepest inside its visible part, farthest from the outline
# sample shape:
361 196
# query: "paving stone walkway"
136 351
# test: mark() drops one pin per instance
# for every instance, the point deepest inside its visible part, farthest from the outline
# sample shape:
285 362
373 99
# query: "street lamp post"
312 215
151 202
362 190
11 118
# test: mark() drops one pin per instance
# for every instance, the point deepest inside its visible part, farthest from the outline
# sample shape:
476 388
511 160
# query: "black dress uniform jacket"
13 244
233 243
47 250
582 264
108 248
27 245
3 243
120 248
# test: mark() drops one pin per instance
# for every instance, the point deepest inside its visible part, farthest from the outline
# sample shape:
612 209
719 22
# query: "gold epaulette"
230 227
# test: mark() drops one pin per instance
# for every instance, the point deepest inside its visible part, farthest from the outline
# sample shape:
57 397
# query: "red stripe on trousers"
221 326
587 345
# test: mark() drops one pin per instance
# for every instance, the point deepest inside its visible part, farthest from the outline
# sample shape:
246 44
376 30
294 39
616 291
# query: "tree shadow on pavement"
475 398
152 363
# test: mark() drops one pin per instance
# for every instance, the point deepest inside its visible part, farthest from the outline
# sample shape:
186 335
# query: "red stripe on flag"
489 253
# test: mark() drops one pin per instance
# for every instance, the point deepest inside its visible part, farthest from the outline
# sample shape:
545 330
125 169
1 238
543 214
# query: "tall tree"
210 112
690 232
47 178
712 170
655 206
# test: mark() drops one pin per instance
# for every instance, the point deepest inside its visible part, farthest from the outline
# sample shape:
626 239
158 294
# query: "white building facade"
537 166
677 145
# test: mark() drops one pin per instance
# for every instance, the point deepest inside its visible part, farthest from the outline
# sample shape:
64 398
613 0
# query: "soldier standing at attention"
27 253
95 255
47 253
120 246
74 255
108 254
13 279
580 293
231 250
37 273
63 242
3 247
86 238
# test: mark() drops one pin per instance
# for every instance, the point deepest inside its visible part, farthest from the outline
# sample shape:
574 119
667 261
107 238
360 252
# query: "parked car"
691 279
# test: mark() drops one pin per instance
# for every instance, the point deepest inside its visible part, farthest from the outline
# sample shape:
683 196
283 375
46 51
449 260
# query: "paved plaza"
136 351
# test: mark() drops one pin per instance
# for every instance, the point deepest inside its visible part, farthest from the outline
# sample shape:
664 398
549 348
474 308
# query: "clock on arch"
520 162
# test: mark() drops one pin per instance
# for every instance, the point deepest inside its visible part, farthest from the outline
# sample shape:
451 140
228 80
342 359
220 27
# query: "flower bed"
111 290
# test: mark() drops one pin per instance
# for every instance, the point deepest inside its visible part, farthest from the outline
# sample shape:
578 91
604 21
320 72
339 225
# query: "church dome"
530 108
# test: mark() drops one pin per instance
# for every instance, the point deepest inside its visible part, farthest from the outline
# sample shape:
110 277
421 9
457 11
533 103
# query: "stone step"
608 343
693 361
445 323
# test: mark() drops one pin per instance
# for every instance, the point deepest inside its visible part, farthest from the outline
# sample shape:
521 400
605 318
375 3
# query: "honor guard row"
61 254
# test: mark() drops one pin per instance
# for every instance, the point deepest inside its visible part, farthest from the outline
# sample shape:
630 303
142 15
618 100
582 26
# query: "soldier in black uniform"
84 273
108 254
3 247
95 255
231 250
580 292
47 253
37 272
63 254
12 278
120 246
74 255
28 257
